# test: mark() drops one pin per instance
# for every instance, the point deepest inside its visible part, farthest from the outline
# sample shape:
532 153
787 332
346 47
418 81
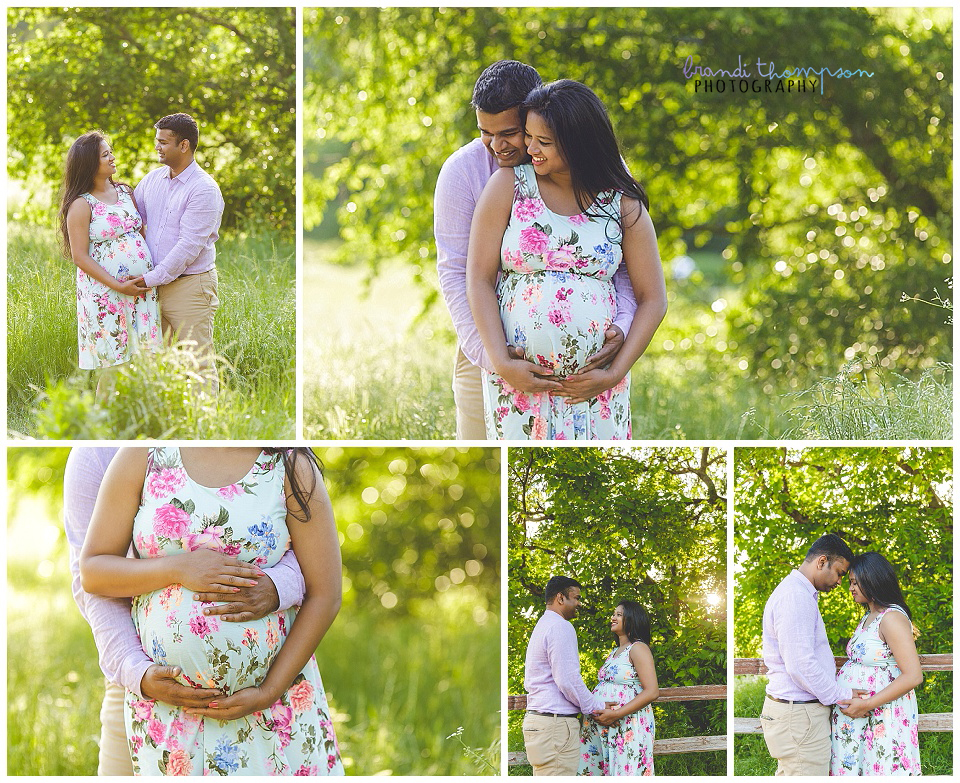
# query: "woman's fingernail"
214 704
236 589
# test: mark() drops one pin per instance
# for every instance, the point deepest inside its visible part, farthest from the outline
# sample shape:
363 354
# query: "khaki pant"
797 736
553 744
114 751
187 307
468 397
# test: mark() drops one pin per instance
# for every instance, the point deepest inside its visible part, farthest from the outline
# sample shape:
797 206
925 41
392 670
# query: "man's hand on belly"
160 684
250 603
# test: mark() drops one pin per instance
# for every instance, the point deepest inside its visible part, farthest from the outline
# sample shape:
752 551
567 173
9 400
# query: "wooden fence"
661 747
934 721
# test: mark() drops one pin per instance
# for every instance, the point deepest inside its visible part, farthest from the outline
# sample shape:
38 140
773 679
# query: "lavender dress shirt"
182 216
552 674
122 658
461 181
795 648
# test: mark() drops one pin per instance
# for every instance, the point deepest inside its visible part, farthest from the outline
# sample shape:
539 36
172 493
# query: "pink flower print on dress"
539 429
307 772
522 402
178 763
560 259
99 209
526 209
170 521
203 626
147 545
142 710
301 696
114 220
166 482
230 492
579 220
533 240
282 719
157 731
136 742
210 538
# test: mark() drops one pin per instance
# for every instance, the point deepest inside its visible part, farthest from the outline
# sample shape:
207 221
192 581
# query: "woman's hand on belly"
204 570
237 705
528 376
586 385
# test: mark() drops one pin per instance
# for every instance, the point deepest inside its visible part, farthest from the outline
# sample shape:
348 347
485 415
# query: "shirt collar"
187 174
808 585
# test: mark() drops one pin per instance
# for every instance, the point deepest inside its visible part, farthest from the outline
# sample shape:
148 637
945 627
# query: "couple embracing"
617 730
862 720
145 257
548 262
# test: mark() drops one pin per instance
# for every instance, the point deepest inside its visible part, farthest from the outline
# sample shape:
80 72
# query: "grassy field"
48 397
936 749
398 687
374 368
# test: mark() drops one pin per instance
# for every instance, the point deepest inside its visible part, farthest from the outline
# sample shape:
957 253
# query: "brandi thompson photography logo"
763 77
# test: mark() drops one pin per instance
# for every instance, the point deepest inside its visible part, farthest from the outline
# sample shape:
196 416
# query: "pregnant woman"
877 733
554 231
207 519
619 740
101 231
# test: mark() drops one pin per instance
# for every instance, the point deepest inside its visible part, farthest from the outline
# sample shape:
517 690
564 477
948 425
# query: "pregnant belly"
126 255
557 318
211 652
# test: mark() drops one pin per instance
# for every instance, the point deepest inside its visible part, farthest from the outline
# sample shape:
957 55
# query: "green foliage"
825 213
71 70
646 524
895 501
254 333
419 526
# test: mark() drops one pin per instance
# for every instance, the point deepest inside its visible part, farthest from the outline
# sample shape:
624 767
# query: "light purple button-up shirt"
461 181
182 216
122 658
795 648
552 674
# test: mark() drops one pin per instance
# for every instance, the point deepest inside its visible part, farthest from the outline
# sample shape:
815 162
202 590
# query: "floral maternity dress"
626 747
112 327
556 299
246 520
885 741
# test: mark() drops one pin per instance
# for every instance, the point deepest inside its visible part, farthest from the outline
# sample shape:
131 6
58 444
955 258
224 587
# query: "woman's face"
616 621
108 166
855 591
542 147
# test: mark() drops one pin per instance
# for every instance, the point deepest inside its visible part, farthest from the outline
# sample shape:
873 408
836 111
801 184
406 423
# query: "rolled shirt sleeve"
626 299
288 579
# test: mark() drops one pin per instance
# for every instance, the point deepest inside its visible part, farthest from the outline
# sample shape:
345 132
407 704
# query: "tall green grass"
48 397
398 686
750 756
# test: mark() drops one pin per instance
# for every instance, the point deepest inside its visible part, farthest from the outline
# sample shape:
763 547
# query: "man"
555 690
802 674
497 95
182 207
122 658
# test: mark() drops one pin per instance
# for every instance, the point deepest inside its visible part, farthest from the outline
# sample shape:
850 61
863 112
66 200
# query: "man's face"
829 575
170 151
503 135
567 604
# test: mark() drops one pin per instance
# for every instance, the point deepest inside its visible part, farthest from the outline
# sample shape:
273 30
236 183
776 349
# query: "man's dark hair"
183 125
636 622
830 545
504 85
557 585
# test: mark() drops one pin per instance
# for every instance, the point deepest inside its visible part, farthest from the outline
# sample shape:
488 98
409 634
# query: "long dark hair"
301 494
83 161
636 622
585 138
877 580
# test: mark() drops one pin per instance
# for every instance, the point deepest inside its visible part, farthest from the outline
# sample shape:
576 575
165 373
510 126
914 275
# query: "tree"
895 501
829 207
120 69
645 524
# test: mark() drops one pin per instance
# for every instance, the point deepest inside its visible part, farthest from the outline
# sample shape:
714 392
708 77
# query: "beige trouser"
114 750
468 397
187 307
553 744
797 736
